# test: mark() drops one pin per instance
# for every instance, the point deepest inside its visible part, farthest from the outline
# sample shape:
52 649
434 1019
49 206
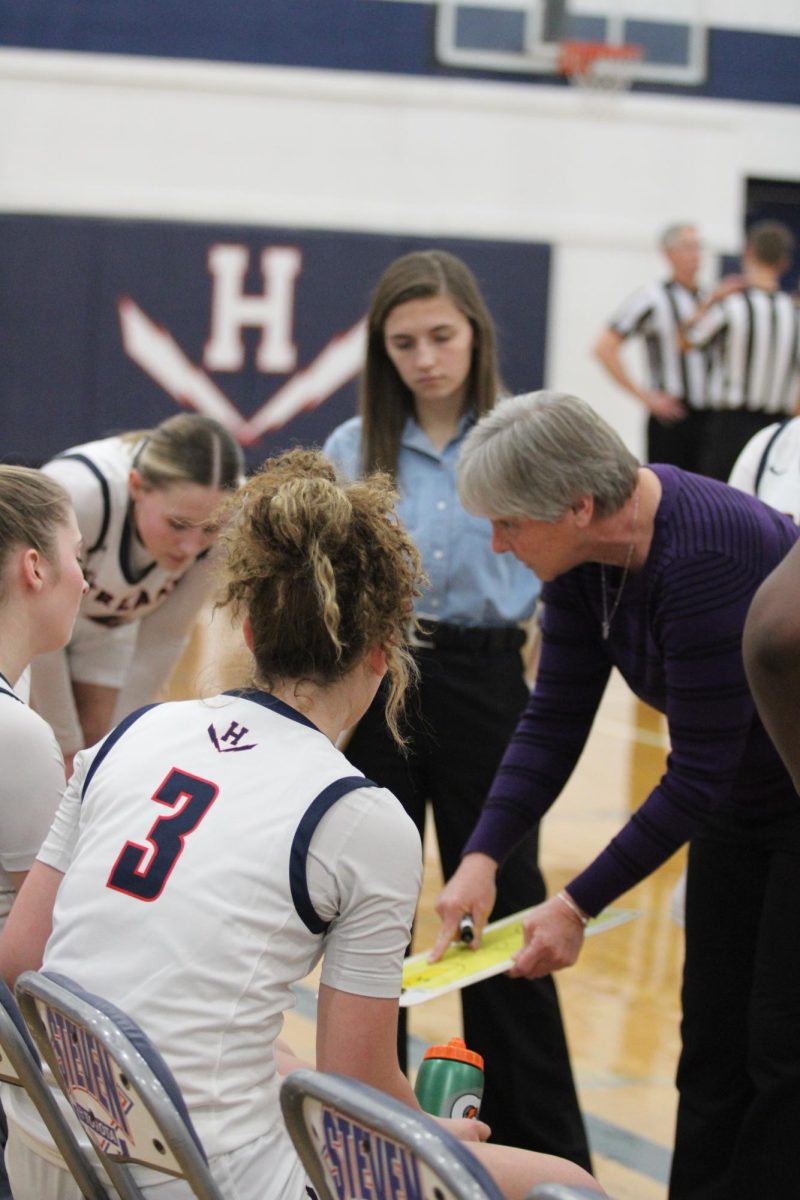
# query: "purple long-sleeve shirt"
676 640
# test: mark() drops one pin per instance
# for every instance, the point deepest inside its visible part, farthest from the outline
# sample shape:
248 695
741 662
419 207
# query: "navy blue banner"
110 325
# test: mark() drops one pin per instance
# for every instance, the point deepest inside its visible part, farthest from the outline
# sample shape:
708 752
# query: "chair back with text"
21 1066
355 1142
119 1086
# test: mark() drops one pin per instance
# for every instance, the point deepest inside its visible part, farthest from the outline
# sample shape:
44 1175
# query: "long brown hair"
324 572
385 402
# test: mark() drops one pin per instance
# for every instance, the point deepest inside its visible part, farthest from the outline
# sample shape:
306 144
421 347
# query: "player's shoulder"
379 813
780 444
27 742
98 468
21 726
343 444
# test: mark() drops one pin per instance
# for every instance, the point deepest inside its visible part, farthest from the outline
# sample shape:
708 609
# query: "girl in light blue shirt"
430 372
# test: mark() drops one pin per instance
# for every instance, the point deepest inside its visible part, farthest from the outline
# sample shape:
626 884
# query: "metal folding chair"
355 1141
20 1066
560 1191
119 1086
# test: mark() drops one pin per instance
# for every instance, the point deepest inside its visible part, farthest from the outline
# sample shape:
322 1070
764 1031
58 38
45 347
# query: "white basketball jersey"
118 590
187 900
769 467
31 786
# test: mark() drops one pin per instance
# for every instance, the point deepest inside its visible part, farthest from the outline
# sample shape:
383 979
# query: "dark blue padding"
111 741
141 1042
316 810
12 1008
101 479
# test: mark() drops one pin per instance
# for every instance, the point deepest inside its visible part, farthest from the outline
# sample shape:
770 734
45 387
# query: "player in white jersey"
145 505
769 467
210 852
41 585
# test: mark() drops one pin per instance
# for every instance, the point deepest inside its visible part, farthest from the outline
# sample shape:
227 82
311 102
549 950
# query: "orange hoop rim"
578 58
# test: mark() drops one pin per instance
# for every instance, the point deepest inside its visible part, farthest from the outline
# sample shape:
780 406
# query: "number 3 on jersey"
167 837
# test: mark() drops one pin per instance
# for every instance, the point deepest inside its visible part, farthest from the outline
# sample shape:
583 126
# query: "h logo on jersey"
233 734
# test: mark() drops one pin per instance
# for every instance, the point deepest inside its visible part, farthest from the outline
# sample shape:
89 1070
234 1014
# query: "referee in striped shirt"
676 396
751 330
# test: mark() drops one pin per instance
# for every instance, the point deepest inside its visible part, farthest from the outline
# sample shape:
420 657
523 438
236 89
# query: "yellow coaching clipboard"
461 966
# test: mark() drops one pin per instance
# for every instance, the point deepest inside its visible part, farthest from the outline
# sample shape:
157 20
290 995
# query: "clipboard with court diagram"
461 966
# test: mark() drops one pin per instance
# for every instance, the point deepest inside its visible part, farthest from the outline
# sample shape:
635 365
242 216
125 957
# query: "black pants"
726 434
460 720
706 442
739 1072
681 443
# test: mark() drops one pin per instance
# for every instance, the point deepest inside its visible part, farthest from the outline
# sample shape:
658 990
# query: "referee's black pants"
460 721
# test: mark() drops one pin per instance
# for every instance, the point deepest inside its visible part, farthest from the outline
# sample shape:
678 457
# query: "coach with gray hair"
652 570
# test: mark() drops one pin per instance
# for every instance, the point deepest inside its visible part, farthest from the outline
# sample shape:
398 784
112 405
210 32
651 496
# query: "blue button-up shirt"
469 583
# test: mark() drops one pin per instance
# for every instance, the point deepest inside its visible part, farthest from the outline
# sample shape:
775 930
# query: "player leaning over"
146 505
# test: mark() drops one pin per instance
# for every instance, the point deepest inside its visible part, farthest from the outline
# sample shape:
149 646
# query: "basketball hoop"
598 65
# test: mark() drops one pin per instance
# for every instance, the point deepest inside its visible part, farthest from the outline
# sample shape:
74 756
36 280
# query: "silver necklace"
608 617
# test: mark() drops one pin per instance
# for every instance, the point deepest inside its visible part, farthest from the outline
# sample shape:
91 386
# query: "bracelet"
569 903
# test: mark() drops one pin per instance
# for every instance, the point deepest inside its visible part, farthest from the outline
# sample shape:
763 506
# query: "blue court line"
606 1139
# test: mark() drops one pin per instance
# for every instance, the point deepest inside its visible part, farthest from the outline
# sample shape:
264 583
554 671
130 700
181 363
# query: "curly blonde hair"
324 572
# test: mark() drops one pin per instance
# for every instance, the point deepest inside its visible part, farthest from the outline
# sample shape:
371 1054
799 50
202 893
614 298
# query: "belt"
471 639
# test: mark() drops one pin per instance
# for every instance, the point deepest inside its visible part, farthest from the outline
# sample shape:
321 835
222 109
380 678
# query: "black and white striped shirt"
656 313
753 338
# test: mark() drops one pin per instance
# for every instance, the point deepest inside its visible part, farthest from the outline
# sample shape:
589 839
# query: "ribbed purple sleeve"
676 639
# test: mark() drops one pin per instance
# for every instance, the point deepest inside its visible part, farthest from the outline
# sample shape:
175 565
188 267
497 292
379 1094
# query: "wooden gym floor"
621 1000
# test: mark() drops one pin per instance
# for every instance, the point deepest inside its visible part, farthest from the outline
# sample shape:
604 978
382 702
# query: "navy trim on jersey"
111 741
267 700
8 689
298 881
100 477
762 466
125 553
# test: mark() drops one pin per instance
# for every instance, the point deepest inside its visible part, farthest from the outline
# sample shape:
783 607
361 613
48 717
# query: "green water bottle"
450 1080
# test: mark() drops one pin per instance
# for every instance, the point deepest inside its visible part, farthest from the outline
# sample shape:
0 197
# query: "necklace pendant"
606 628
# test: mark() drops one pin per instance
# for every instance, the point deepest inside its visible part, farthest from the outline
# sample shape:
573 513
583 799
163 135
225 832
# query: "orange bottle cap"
456 1048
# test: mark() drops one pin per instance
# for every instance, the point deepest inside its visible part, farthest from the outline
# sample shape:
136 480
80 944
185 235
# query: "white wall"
597 177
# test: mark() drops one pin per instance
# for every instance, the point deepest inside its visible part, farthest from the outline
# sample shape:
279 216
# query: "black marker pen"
466 928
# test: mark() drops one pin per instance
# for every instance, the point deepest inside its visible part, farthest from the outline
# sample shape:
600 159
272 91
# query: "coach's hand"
553 937
471 890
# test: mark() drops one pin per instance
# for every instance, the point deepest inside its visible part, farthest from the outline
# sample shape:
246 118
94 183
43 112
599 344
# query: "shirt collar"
414 437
